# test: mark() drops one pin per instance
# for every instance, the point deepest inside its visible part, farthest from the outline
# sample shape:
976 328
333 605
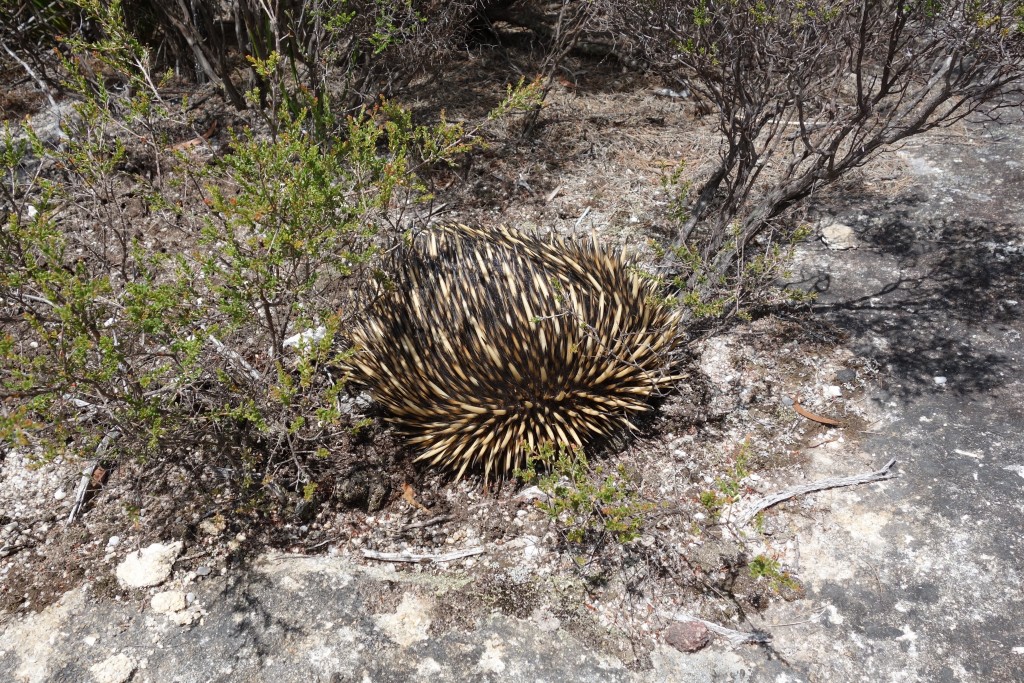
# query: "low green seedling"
588 503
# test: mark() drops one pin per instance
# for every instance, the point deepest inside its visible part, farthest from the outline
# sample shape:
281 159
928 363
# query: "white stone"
148 567
115 669
428 668
185 618
59 494
306 338
491 658
545 620
531 493
409 624
939 380
832 391
167 602
213 526
838 237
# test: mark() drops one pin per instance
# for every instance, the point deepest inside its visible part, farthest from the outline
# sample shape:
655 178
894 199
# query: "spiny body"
492 342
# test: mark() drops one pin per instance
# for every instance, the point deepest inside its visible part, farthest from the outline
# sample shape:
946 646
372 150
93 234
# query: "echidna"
490 341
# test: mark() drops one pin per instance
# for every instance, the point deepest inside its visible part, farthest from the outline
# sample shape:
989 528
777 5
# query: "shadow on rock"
951 279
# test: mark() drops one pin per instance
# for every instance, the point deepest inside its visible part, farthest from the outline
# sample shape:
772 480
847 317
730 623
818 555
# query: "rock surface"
299 619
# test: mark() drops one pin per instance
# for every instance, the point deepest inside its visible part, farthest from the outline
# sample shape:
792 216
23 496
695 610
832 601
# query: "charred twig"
440 519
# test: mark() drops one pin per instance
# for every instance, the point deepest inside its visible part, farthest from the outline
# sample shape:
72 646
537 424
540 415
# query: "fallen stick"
734 637
414 557
820 485
83 484
81 492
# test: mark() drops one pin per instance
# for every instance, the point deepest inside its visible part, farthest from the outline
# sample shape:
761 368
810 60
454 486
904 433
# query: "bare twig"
766 502
234 356
31 72
580 219
415 557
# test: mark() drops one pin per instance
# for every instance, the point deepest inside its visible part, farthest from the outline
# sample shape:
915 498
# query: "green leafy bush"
164 308
728 487
588 503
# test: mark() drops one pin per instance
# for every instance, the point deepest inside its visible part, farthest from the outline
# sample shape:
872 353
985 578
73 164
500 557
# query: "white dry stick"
766 502
734 637
582 216
35 77
233 355
83 483
414 557
83 488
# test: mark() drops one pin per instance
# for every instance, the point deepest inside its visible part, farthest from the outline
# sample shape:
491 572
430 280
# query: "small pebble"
846 375
832 391
59 494
786 401
939 380
202 570
687 636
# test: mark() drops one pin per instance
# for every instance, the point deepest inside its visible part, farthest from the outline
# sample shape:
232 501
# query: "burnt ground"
914 578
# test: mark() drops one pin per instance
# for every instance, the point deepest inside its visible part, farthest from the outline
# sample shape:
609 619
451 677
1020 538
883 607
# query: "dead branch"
766 502
82 491
416 557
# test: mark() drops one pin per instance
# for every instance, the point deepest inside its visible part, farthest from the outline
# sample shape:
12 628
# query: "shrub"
589 504
164 310
803 94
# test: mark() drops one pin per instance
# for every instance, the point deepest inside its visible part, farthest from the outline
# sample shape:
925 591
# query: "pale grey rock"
410 623
149 566
167 602
839 237
115 669
213 526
